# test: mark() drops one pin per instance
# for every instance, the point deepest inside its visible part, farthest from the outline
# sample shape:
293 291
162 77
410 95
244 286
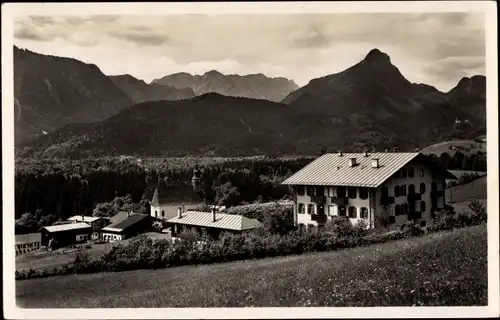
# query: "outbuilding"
131 226
97 223
66 234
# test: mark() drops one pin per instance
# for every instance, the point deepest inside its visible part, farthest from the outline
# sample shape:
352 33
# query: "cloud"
301 46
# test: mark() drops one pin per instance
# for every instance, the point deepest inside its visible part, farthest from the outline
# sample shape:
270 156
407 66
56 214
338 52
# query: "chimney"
375 163
214 212
386 150
179 212
352 162
366 154
340 154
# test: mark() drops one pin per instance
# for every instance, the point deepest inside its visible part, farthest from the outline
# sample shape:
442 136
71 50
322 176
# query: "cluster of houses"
360 186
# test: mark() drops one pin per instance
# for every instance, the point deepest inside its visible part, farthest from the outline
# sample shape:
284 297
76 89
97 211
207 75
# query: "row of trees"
461 161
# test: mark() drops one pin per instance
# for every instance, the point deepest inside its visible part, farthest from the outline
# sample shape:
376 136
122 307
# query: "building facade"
367 187
97 223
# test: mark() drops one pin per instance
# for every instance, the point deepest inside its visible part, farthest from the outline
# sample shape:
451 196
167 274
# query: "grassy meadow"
439 269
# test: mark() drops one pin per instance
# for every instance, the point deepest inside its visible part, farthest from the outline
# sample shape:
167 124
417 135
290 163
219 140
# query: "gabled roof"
126 223
333 169
66 227
222 221
174 196
85 218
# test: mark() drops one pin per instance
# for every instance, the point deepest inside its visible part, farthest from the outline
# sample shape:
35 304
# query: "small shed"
131 226
66 234
27 242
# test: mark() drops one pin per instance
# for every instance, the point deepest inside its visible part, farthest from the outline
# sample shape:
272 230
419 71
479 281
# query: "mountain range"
256 86
370 105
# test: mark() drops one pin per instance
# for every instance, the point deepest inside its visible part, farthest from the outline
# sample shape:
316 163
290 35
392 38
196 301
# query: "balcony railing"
437 193
387 200
318 199
318 218
340 201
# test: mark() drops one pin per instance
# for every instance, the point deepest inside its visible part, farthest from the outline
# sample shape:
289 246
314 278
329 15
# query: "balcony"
387 200
321 218
412 197
437 193
340 201
318 199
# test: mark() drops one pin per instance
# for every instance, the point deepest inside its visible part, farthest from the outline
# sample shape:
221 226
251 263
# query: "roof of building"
126 223
28 238
333 169
66 227
222 221
85 218
178 195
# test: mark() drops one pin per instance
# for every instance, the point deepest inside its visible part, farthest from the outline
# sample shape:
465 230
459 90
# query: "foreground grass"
445 269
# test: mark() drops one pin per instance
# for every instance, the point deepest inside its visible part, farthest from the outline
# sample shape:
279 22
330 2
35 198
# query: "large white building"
364 186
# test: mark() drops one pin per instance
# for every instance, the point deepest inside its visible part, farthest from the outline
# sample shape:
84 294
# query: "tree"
227 195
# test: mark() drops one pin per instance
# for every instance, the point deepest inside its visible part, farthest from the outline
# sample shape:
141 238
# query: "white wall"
111 237
170 210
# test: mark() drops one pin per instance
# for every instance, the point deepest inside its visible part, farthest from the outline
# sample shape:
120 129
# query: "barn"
66 234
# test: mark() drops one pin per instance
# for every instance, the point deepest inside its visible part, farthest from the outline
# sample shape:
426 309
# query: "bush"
339 226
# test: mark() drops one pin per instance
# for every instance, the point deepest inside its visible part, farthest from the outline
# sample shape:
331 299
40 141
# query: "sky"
433 48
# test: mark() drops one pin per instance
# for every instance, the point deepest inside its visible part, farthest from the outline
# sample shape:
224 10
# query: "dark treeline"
461 161
62 188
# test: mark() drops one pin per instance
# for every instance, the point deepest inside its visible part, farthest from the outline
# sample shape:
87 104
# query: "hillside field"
440 269
466 146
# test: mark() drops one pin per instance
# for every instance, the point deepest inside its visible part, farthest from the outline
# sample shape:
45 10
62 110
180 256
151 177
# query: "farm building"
97 223
27 242
211 223
66 234
130 226
166 201
373 187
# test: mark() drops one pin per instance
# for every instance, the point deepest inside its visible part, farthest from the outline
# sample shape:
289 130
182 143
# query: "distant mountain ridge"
139 91
51 92
370 105
256 86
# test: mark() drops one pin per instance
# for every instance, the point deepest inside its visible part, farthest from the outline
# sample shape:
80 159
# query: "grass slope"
467 146
445 269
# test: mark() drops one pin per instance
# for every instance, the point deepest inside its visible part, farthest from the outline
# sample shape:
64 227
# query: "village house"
131 225
211 224
97 223
27 242
368 186
66 234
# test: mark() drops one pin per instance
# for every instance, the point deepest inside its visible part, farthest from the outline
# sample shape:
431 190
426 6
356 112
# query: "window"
301 208
411 189
396 191
352 212
411 172
385 192
156 213
404 206
397 175
342 211
351 192
403 173
422 188
301 190
422 206
331 210
341 192
310 208
310 191
320 191
364 213
397 210
331 192
363 193
402 190
163 213
422 172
